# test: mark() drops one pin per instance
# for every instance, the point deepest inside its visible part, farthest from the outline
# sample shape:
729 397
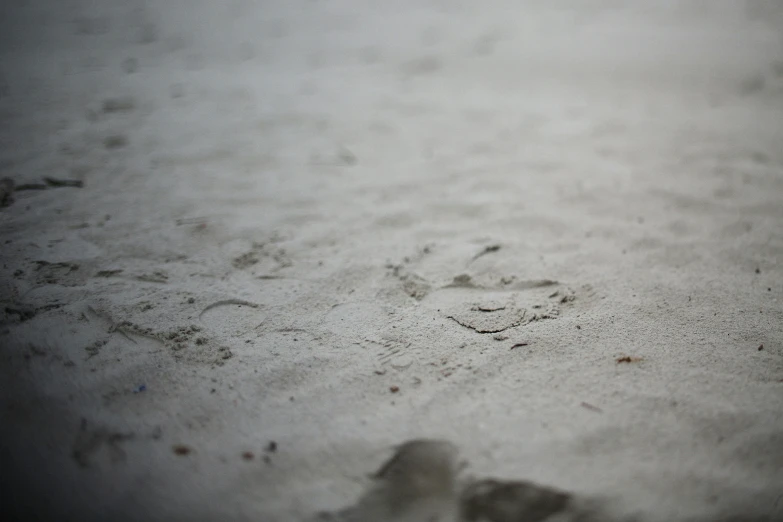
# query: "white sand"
334 165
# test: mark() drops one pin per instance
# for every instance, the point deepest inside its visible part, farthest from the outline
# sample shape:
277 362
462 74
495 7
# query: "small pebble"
182 450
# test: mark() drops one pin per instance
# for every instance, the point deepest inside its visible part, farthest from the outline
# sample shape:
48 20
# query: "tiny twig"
591 407
487 250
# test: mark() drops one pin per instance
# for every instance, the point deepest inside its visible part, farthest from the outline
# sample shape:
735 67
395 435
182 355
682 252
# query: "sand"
252 246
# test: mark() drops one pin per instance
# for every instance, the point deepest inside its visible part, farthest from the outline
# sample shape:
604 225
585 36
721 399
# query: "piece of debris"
519 345
590 407
55 182
487 250
182 450
271 447
500 337
380 372
628 359
394 389
578 327
140 388
758 270
761 347
248 455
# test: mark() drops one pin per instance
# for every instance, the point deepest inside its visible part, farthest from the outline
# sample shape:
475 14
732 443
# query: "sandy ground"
307 231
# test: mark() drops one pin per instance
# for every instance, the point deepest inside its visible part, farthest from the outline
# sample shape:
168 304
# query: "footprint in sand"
371 327
489 309
486 299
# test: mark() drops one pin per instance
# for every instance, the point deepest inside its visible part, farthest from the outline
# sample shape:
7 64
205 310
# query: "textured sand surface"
307 231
